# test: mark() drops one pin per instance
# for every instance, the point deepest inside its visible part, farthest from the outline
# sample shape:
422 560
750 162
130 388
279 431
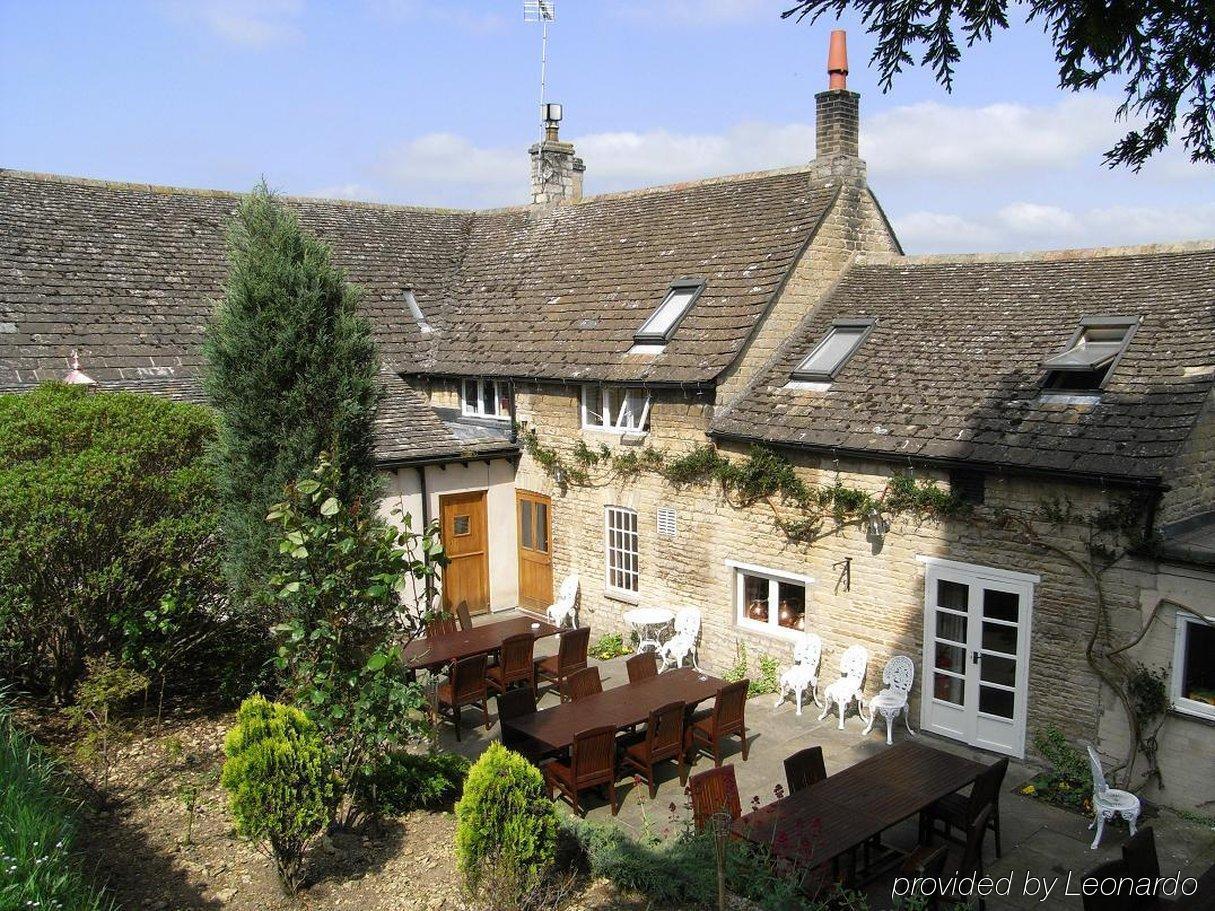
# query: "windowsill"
1189 714
502 418
612 432
779 633
613 594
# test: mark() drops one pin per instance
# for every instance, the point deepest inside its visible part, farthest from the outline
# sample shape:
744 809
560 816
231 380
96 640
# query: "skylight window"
833 350
658 329
416 312
1089 358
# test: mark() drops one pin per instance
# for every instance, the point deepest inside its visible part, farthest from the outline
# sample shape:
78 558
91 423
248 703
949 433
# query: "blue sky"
435 104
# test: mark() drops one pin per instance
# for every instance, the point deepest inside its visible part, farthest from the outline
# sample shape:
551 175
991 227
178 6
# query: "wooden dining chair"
583 683
1116 901
592 765
960 810
727 719
570 658
1139 852
804 768
464 616
663 740
714 791
440 625
642 667
517 703
515 664
466 686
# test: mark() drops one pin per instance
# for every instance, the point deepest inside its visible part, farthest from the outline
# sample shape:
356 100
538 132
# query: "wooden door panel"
535 518
465 534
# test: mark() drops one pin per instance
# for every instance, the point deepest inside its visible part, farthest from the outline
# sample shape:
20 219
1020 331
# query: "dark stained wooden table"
845 810
480 640
553 729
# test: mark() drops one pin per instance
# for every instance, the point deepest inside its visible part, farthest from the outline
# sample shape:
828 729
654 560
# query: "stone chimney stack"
837 112
556 171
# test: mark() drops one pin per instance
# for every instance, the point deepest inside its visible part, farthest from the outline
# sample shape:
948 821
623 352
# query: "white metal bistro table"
648 622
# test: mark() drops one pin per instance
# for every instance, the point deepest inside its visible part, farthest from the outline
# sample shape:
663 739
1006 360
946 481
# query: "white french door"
976 653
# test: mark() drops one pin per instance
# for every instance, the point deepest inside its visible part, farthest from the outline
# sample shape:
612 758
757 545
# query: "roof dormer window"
1089 358
658 329
416 312
842 340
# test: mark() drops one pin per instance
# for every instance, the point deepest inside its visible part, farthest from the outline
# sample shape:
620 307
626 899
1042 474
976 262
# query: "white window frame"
774 576
476 408
1186 619
608 423
611 551
862 327
647 334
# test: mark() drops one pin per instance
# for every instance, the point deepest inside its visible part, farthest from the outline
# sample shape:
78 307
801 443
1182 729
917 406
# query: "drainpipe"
430 584
514 425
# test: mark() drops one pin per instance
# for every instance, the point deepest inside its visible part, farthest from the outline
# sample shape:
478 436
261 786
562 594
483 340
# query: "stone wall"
1191 478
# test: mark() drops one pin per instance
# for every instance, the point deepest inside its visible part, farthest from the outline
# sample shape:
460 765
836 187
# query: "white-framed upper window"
623 409
828 357
1194 665
621 550
485 398
769 600
661 324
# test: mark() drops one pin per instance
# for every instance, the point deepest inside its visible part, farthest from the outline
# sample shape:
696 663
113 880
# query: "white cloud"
1032 226
356 191
701 12
252 23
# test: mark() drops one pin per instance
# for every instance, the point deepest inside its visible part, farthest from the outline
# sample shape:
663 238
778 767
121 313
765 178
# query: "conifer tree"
291 371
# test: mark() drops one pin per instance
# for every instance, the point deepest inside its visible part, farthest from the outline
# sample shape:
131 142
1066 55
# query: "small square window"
1194 666
828 357
461 525
623 409
968 486
485 398
770 601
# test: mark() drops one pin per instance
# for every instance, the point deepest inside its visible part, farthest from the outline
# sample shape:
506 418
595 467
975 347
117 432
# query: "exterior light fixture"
77 377
552 112
876 523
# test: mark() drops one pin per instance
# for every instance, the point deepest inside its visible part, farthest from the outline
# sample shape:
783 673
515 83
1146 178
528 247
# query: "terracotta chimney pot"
837 61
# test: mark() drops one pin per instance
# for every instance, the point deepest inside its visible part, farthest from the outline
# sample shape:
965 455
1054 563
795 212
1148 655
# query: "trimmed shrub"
37 831
506 830
108 520
279 785
420 781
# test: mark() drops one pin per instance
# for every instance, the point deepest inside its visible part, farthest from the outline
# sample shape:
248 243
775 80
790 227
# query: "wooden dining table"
830 818
551 730
437 651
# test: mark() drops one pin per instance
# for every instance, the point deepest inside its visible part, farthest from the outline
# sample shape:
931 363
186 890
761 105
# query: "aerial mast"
544 12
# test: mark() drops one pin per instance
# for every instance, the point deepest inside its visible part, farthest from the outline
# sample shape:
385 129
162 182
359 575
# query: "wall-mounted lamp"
876 523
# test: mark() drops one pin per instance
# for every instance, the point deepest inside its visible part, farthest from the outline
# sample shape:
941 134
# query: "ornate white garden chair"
563 610
804 673
1109 802
682 643
897 677
853 664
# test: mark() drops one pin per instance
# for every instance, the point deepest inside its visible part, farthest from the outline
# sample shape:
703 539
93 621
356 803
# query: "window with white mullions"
622 409
1193 674
485 398
621 550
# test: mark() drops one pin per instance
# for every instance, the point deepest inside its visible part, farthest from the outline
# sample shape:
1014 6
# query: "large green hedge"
108 533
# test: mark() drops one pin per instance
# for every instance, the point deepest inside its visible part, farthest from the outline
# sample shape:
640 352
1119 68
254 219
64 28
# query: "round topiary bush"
506 830
280 786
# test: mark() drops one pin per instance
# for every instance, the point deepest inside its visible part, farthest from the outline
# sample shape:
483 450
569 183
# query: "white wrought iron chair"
563 609
897 677
682 643
804 673
853 664
1109 802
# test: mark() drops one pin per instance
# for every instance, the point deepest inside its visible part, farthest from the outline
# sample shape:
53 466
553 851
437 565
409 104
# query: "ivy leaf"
330 507
377 662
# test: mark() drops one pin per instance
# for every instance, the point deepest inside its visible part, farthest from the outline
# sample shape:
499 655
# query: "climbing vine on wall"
805 513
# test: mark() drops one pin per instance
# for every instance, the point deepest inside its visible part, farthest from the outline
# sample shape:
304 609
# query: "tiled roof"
559 293
952 370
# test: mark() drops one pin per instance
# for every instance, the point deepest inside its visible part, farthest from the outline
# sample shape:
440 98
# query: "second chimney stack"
837 110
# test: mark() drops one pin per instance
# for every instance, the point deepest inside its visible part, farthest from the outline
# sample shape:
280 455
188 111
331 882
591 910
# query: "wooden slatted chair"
464 616
592 765
517 703
570 658
583 683
466 687
515 665
960 811
714 791
804 768
642 667
440 625
663 740
727 719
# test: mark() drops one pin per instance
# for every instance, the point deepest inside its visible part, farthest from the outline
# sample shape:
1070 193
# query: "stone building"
540 360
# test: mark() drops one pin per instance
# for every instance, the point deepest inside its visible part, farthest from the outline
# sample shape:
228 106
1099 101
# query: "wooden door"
535 550
465 536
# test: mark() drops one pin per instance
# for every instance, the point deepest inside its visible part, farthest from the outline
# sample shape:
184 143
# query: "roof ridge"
1068 254
165 189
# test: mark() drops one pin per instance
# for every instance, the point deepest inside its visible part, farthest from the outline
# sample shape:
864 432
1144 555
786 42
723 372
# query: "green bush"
108 519
1068 782
420 781
279 785
608 647
506 829
37 834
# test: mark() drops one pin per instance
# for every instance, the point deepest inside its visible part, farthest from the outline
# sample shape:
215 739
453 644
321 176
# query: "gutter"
480 455
696 386
1153 484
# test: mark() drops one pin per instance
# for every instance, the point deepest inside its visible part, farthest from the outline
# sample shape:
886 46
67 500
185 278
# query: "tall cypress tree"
292 372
